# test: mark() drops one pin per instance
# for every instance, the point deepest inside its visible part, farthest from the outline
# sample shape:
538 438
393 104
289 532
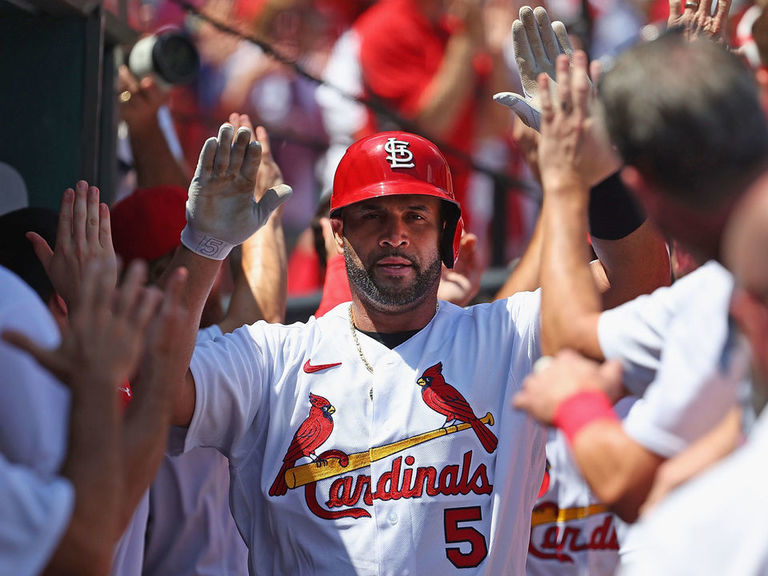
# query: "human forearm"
154 162
571 302
144 441
618 470
700 456
260 289
265 268
94 468
525 276
201 274
447 94
633 254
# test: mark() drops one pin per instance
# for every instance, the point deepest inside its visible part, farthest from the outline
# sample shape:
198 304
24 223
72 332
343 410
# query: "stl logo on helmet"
399 155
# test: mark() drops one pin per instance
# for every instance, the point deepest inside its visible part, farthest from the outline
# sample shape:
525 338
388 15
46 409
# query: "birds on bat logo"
446 400
316 428
312 433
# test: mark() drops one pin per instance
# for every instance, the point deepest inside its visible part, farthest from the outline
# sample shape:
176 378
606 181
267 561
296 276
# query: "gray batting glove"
537 43
221 210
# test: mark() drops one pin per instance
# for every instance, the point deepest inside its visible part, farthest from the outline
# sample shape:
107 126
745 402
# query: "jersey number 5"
478 549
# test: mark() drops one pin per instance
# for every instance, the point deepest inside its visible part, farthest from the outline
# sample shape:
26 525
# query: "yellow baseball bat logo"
314 472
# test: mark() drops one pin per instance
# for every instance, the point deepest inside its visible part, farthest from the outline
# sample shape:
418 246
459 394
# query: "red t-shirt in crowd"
336 286
400 53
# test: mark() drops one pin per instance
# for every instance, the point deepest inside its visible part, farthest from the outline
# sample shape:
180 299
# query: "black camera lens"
175 58
170 56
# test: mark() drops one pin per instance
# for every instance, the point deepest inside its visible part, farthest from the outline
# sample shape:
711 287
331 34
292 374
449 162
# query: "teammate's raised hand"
106 333
697 19
574 148
269 174
84 234
537 43
461 283
222 211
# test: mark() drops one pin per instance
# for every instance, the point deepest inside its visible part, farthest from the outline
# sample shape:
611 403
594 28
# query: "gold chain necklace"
357 342
353 329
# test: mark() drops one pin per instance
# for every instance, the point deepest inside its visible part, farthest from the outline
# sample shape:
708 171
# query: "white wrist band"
205 245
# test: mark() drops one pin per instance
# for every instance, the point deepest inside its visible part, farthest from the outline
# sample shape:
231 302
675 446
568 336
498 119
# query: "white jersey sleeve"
710 525
227 400
682 344
208 333
34 406
129 551
636 331
35 504
35 513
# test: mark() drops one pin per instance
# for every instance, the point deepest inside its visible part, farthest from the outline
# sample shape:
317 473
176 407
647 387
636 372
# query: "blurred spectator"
14 189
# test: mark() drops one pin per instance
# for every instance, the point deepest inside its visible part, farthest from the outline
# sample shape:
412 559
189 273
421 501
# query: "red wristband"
581 409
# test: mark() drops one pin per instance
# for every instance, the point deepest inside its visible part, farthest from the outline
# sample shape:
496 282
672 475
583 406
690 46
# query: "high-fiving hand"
696 18
83 235
574 147
222 211
537 43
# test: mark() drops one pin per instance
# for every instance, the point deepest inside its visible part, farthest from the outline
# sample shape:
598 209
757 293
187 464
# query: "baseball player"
378 439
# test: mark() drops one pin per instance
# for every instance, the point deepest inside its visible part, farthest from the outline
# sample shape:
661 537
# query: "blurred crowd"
609 155
339 75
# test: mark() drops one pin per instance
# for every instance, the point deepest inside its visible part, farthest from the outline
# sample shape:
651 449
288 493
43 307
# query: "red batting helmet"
392 163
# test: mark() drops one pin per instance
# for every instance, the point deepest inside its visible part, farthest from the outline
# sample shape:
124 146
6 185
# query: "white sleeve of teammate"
229 375
698 382
208 333
35 513
34 406
698 367
636 331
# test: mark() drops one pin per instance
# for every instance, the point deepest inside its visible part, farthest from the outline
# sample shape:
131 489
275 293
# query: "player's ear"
337 225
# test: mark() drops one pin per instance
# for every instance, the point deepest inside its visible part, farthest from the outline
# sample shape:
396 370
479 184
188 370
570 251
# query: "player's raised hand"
165 332
269 174
106 333
537 43
461 283
697 19
574 148
84 234
222 211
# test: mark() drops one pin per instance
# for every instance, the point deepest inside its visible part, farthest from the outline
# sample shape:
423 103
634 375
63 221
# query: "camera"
170 56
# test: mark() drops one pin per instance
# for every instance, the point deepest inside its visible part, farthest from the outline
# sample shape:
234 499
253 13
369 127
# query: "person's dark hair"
16 251
686 115
321 211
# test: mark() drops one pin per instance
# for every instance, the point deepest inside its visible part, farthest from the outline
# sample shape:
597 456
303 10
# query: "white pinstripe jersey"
395 489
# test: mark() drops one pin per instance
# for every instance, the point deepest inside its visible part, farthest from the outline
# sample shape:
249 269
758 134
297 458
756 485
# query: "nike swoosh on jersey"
310 369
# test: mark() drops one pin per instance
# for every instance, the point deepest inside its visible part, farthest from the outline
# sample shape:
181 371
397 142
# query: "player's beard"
401 297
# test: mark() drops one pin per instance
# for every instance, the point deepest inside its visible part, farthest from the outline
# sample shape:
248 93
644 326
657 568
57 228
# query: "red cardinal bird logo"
308 438
446 400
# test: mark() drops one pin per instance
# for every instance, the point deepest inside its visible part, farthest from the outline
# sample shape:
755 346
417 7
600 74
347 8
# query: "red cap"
148 223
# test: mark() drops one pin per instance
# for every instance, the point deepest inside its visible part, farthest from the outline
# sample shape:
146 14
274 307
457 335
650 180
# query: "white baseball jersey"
572 532
35 514
129 550
192 530
335 470
712 525
679 338
35 504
